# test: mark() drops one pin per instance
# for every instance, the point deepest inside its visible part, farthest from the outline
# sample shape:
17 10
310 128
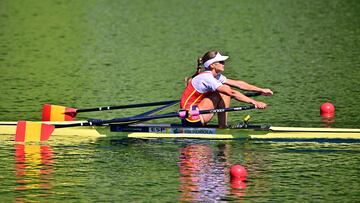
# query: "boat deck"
238 132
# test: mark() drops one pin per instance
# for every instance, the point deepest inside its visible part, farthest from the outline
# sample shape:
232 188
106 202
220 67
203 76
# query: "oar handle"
252 94
105 108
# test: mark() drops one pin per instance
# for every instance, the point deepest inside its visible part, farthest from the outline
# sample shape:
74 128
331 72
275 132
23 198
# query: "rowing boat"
134 127
240 131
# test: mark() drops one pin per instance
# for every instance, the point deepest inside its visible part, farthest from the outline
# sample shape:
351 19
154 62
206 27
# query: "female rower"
210 89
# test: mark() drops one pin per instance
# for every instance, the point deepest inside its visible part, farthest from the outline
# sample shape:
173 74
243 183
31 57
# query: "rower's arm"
246 86
225 89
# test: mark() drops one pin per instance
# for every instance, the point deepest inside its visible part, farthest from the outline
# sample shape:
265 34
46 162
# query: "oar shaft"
126 120
174 114
105 108
144 118
94 122
240 108
85 123
157 109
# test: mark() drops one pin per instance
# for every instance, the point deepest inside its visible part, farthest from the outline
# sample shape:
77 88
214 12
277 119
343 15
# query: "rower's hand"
266 92
260 105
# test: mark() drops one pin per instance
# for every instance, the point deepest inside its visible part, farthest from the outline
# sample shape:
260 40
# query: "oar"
62 113
33 131
181 114
152 111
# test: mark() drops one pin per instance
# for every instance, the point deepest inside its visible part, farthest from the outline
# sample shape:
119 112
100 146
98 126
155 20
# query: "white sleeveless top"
206 82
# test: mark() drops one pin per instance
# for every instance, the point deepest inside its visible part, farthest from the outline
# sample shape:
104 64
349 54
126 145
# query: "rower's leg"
224 103
212 101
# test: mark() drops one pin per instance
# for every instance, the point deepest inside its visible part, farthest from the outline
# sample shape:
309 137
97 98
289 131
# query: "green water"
96 53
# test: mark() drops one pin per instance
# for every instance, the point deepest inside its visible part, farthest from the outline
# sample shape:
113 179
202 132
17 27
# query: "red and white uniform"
198 88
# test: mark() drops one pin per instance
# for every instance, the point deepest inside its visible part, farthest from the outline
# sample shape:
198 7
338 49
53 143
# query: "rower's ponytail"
198 70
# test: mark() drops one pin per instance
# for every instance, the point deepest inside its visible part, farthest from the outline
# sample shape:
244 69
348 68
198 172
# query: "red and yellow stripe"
27 131
191 97
58 113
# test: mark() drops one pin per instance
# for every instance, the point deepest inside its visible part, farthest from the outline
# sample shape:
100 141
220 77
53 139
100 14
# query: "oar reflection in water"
34 171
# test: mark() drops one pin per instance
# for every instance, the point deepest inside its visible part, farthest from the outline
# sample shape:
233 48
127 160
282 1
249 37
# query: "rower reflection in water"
203 174
210 89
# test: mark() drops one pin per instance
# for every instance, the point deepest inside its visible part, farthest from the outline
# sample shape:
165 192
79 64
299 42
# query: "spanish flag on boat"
58 113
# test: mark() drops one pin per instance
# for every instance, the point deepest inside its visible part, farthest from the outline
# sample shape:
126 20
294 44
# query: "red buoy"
238 172
327 109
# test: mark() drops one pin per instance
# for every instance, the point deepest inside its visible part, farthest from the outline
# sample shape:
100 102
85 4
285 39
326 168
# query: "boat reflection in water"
34 171
204 174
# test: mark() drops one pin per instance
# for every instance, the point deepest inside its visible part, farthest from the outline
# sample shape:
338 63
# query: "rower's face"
219 66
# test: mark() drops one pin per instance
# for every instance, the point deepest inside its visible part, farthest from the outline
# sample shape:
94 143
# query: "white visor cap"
217 58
